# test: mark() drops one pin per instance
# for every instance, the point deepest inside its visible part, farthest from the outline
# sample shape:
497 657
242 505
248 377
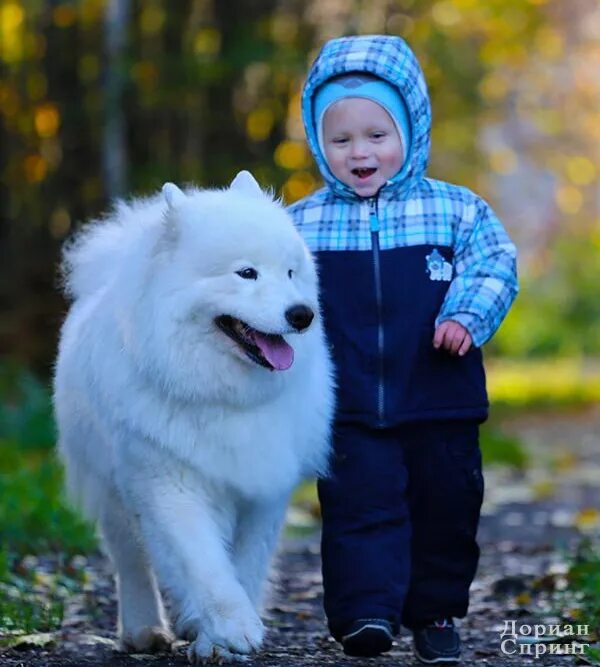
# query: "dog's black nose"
299 317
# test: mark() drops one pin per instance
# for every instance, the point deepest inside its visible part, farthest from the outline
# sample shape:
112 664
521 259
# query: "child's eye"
378 135
340 140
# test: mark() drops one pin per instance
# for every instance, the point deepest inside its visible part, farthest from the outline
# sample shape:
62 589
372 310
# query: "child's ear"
245 182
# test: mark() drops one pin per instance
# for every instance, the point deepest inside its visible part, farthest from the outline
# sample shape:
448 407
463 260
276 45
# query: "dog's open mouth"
364 172
268 350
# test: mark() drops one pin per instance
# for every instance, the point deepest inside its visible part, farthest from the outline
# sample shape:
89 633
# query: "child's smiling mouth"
364 172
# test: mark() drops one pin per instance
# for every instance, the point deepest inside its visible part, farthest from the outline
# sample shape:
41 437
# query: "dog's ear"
245 182
172 194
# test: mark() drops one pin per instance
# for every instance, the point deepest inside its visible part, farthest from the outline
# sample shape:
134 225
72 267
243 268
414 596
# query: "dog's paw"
203 652
240 634
229 639
148 639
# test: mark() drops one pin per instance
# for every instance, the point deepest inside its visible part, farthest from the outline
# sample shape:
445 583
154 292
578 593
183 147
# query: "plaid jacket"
419 236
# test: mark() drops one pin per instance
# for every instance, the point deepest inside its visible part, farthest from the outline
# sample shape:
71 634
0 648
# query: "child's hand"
453 337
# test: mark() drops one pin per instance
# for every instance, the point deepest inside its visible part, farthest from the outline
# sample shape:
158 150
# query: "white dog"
193 391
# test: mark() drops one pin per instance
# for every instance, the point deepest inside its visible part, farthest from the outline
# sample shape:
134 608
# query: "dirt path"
527 521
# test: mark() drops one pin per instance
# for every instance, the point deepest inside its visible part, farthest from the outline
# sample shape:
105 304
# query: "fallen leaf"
34 640
588 519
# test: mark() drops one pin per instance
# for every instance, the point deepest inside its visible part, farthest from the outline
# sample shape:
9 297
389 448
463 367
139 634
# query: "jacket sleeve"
485 277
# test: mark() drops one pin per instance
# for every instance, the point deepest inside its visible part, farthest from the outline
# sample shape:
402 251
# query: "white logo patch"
437 267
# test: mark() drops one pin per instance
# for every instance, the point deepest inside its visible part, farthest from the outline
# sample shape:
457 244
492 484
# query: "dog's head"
235 281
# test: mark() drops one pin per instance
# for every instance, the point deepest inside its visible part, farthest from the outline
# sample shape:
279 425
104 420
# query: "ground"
528 524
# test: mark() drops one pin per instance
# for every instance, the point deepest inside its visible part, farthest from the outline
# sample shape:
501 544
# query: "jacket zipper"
374 227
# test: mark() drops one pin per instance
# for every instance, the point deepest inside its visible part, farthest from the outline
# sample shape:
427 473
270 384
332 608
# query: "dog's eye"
290 273
248 274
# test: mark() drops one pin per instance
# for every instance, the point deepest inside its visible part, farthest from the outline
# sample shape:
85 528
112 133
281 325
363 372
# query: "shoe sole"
437 661
369 641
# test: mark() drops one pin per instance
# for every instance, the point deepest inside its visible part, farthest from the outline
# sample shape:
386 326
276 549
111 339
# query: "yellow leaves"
523 599
46 120
493 87
292 155
207 42
36 168
595 235
542 489
37 640
591 125
89 67
298 185
496 52
580 170
463 5
452 134
565 461
519 383
259 123
145 74
549 43
445 13
549 121
284 28
91 11
12 16
588 519
569 199
400 24
37 85
9 100
503 160
152 19
64 16
60 222
41 578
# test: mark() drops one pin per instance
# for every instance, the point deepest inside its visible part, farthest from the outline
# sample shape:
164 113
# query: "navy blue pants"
400 514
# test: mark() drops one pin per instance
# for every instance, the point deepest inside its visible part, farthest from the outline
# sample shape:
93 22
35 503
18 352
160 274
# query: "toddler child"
416 275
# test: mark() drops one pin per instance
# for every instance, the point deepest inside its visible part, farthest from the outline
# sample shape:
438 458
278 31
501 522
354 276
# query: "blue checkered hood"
412 209
391 59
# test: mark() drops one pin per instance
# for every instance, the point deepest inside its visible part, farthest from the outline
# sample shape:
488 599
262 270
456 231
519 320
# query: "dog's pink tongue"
276 351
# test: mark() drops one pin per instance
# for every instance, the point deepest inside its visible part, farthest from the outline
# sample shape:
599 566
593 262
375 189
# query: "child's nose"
359 149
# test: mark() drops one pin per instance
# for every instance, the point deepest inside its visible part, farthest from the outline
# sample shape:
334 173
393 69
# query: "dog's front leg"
255 539
189 554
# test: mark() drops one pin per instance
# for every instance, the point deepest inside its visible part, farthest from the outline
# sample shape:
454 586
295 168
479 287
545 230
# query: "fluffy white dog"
193 391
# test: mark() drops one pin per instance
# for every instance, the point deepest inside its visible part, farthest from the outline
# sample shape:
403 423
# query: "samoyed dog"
193 390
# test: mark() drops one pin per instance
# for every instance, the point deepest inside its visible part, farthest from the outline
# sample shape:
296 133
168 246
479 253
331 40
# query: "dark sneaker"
368 637
437 643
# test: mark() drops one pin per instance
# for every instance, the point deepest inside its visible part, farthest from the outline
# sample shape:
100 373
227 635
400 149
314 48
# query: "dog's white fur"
181 448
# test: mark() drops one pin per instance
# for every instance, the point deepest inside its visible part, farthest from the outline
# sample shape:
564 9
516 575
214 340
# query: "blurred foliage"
576 592
499 448
198 91
34 593
554 382
33 514
584 580
558 310
25 409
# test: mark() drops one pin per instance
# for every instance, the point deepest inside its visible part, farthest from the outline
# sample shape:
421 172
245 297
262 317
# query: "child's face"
362 145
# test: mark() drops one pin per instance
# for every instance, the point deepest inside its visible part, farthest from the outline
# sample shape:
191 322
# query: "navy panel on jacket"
419 382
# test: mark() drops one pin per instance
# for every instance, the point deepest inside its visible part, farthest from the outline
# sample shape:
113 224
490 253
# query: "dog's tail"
92 258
